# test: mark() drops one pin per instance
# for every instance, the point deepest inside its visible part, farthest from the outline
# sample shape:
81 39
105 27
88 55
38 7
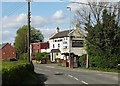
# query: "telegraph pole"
28 31
69 8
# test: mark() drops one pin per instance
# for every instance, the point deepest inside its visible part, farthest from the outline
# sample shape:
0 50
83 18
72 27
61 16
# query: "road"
53 74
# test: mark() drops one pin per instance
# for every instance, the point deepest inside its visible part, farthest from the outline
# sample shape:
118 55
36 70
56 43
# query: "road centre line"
73 77
76 78
84 82
70 75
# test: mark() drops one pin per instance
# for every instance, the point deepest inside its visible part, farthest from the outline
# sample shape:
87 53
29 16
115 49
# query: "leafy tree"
21 40
103 41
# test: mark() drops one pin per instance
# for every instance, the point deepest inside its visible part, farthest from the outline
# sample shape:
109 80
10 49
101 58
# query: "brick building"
40 47
7 51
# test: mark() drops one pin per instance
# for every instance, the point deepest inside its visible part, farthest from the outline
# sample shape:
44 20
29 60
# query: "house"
67 45
7 51
40 47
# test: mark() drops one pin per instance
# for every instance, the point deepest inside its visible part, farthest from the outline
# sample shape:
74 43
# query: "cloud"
10 24
47 32
58 14
38 21
8 36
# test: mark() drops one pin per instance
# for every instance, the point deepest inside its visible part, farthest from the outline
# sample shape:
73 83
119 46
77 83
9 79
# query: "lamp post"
69 8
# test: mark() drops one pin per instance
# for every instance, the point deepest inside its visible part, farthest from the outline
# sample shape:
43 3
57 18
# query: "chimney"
57 30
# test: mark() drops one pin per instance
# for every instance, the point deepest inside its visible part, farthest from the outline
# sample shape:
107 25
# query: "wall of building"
40 47
8 52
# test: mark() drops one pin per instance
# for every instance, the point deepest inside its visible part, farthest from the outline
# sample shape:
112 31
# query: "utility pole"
28 31
69 8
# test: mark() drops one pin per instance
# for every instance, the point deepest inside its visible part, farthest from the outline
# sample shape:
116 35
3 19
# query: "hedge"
14 73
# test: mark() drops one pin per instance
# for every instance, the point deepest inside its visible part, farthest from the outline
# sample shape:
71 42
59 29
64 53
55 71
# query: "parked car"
13 59
44 61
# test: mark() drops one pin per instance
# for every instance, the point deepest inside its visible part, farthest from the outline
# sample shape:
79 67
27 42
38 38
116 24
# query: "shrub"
24 56
39 56
15 72
82 60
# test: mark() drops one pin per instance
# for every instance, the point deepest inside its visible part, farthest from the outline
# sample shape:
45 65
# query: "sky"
46 16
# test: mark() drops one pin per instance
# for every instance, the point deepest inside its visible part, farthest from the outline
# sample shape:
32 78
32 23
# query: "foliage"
21 40
13 73
103 42
82 61
24 56
39 56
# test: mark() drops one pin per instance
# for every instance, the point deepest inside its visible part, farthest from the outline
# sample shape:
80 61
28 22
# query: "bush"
39 56
15 72
24 56
82 61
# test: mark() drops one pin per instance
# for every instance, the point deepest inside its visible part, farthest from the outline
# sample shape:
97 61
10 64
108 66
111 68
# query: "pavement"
52 74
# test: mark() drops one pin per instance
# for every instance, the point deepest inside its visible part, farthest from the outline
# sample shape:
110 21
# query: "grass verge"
18 73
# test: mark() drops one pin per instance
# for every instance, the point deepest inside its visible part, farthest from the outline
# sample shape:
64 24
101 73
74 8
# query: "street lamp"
69 8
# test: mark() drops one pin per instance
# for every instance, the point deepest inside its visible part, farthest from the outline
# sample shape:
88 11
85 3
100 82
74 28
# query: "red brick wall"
8 52
36 47
44 45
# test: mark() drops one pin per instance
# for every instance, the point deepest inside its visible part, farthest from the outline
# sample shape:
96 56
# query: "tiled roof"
61 34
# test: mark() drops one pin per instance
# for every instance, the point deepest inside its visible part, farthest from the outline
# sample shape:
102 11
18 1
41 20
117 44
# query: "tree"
21 38
103 42
95 9
103 38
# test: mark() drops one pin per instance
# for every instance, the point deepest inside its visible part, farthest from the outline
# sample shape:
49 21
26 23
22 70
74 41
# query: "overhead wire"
16 9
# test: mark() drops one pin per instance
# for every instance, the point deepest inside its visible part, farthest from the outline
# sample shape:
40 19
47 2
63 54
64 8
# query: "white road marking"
76 78
73 77
70 75
84 82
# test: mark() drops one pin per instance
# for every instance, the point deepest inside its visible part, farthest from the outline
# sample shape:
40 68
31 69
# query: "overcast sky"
45 16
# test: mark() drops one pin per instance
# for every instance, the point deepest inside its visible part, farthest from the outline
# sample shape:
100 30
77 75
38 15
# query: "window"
65 44
53 46
58 45
3 52
77 43
60 39
66 38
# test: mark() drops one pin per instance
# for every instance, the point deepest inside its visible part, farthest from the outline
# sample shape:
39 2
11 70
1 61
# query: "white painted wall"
45 50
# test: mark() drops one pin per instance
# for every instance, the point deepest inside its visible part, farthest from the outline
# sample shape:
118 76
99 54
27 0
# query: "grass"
101 69
97 69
